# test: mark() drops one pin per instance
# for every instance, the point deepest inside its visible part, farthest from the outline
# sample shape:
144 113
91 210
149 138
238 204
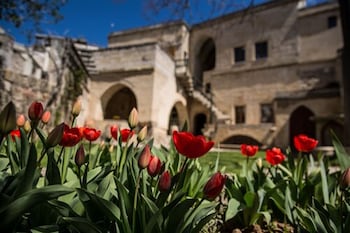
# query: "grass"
230 161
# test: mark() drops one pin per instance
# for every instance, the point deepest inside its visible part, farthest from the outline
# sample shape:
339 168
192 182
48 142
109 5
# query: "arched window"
120 105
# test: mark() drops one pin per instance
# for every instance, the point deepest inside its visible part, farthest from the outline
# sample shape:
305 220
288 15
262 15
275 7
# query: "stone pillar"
344 7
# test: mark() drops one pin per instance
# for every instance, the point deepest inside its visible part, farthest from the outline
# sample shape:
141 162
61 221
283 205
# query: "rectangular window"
261 50
267 114
332 21
240 114
239 54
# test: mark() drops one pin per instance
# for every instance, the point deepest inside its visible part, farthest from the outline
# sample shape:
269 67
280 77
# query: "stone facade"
256 76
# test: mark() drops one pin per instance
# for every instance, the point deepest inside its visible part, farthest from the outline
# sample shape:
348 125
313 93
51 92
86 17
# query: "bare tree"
32 13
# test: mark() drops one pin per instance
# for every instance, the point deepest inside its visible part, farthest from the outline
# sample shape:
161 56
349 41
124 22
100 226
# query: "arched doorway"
205 60
326 135
120 105
241 139
301 122
199 123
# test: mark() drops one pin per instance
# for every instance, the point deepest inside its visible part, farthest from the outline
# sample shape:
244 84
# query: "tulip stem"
341 211
79 176
123 158
60 154
180 175
135 200
43 152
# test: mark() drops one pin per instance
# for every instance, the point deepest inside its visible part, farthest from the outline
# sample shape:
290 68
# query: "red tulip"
275 156
164 182
126 134
214 186
15 133
114 131
304 144
145 157
249 150
154 166
91 134
70 137
35 111
191 146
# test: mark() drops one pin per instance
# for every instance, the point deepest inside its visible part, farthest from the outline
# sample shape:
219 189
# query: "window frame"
270 119
235 50
266 49
332 21
240 114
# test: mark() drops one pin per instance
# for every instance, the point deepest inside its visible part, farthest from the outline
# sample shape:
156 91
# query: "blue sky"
93 20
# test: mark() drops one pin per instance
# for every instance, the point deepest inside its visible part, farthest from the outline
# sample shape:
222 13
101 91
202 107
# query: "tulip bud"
76 109
111 148
7 119
142 134
114 131
45 118
154 166
35 111
259 163
133 118
145 157
27 126
80 156
345 179
55 136
164 182
214 186
21 120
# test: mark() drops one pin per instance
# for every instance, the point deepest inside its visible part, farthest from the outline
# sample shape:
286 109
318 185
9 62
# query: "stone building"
258 76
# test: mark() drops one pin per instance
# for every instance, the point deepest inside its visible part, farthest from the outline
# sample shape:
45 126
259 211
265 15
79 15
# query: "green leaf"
7 119
79 224
125 206
177 214
325 190
26 178
41 135
101 206
11 212
233 208
24 148
306 220
14 163
343 157
52 172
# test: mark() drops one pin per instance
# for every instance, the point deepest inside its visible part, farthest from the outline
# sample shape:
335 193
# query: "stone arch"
117 102
326 137
241 139
177 117
301 122
205 60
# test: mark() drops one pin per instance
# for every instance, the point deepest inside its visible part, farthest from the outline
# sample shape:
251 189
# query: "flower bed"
65 182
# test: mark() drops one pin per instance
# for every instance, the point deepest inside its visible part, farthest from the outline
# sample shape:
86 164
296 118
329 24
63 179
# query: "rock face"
238 78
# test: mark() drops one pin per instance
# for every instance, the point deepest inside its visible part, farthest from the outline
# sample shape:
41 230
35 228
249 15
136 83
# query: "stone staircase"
183 76
85 52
